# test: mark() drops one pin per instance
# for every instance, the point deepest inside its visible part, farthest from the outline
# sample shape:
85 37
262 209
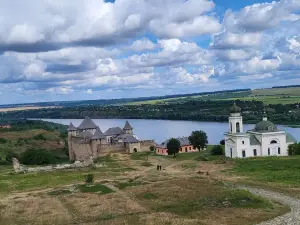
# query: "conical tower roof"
87 123
127 126
98 134
71 127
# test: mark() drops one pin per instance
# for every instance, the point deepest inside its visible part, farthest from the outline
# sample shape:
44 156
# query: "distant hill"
117 101
288 86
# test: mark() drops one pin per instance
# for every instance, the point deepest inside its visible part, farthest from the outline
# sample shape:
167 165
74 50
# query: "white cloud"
98 22
60 90
142 45
70 47
174 52
262 16
236 40
89 92
255 77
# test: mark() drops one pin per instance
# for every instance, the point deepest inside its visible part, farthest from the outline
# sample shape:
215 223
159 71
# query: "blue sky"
63 50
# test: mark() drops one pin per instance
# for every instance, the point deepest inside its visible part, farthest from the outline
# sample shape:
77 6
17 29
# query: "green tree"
198 139
173 146
37 157
152 148
217 150
294 149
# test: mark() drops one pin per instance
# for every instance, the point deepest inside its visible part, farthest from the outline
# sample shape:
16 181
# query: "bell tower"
235 120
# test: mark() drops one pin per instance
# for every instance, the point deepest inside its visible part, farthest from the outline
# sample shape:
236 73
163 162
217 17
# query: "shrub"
39 137
217 150
3 141
152 148
222 142
37 157
294 149
89 178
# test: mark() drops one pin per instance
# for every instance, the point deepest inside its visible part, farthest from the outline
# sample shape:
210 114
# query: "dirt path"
291 218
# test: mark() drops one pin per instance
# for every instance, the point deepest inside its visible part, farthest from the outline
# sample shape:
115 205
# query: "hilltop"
24 135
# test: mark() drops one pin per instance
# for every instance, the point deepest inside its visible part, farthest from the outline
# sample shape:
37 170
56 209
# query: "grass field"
281 174
127 193
21 108
268 96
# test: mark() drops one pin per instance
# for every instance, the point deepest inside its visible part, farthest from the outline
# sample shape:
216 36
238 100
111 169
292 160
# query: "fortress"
87 140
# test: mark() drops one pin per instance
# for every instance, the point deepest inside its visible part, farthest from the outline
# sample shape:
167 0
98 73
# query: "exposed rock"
18 168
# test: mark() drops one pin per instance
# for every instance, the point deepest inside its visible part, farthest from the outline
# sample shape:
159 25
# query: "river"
160 130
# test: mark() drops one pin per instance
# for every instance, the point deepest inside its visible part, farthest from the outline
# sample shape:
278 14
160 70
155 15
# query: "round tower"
235 120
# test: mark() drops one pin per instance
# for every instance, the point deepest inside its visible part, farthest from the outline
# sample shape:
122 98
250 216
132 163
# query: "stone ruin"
19 168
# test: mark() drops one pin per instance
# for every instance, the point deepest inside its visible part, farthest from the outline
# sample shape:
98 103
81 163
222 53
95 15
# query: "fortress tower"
128 129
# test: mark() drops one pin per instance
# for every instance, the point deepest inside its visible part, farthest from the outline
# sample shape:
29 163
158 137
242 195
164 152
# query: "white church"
264 140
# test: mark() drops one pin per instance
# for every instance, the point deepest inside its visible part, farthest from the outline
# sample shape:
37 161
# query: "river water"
160 130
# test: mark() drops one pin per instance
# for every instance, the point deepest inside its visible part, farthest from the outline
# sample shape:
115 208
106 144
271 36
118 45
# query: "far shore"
23 108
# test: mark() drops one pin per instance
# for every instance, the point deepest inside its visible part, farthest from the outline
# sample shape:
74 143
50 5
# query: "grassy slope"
279 173
268 96
18 141
167 199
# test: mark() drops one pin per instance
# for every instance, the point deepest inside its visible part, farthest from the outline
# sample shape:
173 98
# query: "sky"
61 50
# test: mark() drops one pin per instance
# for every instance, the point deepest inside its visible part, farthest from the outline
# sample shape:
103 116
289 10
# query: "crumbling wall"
19 168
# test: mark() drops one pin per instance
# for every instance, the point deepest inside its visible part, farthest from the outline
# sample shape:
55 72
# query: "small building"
185 146
264 140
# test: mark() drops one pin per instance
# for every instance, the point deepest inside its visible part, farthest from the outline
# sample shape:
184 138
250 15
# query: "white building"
264 140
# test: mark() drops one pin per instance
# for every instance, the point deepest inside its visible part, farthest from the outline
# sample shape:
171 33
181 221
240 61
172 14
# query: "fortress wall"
94 147
146 144
104 149
132 146
82 151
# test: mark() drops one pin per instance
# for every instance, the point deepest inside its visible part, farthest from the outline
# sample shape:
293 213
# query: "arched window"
238 130
231 127
273 142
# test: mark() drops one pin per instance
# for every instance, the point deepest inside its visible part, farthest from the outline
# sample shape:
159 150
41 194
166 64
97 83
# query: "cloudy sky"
95 49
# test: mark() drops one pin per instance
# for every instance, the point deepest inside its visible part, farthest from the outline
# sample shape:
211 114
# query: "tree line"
196 110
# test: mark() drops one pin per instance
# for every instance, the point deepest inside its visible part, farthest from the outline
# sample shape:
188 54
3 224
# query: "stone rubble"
19 168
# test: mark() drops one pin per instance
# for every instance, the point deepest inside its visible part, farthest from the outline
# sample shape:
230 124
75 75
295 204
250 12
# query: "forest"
197 110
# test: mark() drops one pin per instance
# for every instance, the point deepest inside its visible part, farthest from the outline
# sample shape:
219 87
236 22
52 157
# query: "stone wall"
146 144
134 146
82 150
106 148
19 168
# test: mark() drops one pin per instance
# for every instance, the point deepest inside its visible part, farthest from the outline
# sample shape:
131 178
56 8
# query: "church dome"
235 109
264 126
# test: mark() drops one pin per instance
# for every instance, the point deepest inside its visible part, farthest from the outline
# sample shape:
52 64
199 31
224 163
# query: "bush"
152 148
222 142
6 156
3 141
294 149
217 150
89 178
37 157
40 137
